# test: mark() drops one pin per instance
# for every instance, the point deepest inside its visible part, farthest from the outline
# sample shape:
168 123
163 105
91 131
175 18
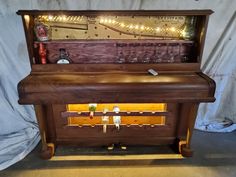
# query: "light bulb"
64 18
131 26
158 29
50 17
172 29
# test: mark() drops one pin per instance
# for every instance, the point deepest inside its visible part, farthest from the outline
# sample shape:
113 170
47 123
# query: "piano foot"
184 150
48 152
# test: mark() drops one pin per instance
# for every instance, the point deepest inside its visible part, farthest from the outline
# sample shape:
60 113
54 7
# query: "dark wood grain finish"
204 12
86 114
108 88
116 68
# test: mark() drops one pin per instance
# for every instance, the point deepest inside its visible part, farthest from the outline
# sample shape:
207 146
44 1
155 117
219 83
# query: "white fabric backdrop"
18 127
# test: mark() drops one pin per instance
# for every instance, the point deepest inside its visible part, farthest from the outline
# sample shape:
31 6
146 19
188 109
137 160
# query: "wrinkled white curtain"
221 66
18 127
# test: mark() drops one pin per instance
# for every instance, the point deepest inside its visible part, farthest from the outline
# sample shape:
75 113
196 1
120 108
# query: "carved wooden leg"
47 148
184 145
49 152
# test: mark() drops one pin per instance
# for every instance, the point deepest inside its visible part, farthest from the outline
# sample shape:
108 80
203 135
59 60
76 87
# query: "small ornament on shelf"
105 120
117 118
92 109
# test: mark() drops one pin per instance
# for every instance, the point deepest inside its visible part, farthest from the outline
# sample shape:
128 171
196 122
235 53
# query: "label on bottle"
63 61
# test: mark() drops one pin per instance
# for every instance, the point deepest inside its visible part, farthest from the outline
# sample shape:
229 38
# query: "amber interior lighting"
125 120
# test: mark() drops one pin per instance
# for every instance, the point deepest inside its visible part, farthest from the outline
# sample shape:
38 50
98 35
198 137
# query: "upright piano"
106 78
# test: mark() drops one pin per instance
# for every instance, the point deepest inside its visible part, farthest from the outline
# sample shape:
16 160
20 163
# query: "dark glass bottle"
64 57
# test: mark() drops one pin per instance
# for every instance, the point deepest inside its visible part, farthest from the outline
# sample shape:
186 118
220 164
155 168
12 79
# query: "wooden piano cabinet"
90 84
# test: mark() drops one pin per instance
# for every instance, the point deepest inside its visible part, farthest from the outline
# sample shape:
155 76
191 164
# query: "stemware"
120 53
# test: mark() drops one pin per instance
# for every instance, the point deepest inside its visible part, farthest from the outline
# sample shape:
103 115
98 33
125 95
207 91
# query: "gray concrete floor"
215 156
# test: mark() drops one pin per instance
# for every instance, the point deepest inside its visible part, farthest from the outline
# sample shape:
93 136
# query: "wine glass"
120 53
133 58
157 53
146 49
170 51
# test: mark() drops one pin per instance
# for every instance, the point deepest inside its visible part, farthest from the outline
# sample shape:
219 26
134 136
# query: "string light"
171 30
135 26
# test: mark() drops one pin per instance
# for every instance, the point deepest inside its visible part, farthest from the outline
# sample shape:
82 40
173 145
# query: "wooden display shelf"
144 126
121 113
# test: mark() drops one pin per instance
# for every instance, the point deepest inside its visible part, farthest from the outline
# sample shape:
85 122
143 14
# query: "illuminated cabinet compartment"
75 126
130 114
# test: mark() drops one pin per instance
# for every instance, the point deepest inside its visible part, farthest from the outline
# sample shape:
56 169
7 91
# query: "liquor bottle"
42 53
64 57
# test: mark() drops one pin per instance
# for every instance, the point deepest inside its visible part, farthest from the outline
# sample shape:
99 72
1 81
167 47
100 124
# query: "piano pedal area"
118 146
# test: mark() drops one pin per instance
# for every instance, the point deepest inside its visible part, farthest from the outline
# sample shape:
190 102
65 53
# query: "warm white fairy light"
131 26
173 29
122 25
50 17
142 28
158 29
64 18
60 18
